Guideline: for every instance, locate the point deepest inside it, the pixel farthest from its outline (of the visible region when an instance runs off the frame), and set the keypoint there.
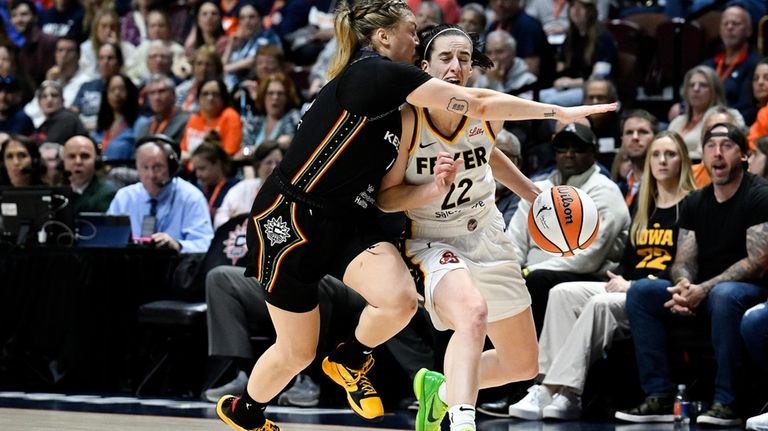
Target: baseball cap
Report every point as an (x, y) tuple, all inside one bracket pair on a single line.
[(575, 135), (732, 132)]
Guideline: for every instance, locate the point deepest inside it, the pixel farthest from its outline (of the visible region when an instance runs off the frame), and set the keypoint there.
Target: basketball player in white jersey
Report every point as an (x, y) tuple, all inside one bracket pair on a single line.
[(456, 246)]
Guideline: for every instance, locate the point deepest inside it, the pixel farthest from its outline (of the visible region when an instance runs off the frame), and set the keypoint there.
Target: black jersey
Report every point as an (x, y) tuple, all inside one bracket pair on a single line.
[(656, 247), (349, 137)]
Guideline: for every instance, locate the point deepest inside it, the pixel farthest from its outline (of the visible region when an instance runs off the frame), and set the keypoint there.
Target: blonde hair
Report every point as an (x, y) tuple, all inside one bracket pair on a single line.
[(355, 25), (649, 187), (717, 91)]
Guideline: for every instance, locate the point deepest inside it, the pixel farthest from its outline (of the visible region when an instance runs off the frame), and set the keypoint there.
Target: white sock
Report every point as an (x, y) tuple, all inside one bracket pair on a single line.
[(462, 417), (441, 393)]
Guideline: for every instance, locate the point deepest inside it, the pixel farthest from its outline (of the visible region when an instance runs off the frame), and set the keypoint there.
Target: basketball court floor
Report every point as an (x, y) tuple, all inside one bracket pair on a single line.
[(58, 412)]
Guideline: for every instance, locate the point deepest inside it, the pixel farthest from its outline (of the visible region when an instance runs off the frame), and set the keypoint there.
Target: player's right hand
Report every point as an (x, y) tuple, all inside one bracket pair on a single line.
[(445, 171)]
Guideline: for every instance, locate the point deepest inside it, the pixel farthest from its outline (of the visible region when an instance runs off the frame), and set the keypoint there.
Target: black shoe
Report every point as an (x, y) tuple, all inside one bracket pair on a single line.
[(498, 408), (653, 409), (719, 415)]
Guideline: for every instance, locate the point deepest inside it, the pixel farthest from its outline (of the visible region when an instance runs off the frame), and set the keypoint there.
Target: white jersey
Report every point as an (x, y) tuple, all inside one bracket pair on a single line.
[(472, 194)]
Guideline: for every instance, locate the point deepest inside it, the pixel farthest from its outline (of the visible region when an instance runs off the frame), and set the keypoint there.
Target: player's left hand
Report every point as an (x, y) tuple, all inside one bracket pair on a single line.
[(573, 113)]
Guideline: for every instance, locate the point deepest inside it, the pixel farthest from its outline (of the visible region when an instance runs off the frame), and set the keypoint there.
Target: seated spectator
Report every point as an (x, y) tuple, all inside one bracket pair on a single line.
[(240, 197), (63, 18), (718, 273), (133, 25), (532, 44), (277, 103), (88, 99), (714, 115), (165, 210), (13, 120), (60, 124), (206, 64), (473, 19), (35, 54), (9, 67), (428, 14), (758, 159), (269, 60), (637, 130), (117, 115), (22, 165), (509, 74), (158, 29), (207, 30), (159, 62), (66, 71), (240, 53), (754, 332), (553, 14), (82, 160), (588, 50), (583, 318), (105, 28), (167, 119), (215, 113), (701, 89), (735, 65), (211, 165), (51, 155), (760, 93)]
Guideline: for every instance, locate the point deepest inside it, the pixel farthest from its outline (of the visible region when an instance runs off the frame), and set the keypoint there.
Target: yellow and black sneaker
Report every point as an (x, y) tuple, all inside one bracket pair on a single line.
[(226, 406), (361, 395)]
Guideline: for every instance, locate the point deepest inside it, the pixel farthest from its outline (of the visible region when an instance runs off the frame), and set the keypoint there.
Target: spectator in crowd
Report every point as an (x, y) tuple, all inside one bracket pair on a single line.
[(240, 53), (241, 195), (715, 114), (269, 60), (473, 19), (92, 7), (66, 71), (207, 30), (735, 65), (588, 50), (637, 130), (583, 318), (278, 103), (12, 116), (104, 30), (82, 161), (206, 64), (759, 128), (167, 118), (22, 165), (133, 25), (117, 116), (9, 67), (211, 165), (88, 99), (63, 18), (428, 14), (216, 113), (230, 14), (35, 54), (754, 332), (60, 124), (164, 209), (607, 126), (758, 159), (51, 155), (575, 147), (718, 273), (532, 44), (506, 200), (509, 74), (701, 89), (158, 29)]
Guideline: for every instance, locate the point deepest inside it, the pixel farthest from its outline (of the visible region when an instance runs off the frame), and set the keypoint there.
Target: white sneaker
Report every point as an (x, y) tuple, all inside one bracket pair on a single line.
[(758, 423), (529, 408), (565, 405)]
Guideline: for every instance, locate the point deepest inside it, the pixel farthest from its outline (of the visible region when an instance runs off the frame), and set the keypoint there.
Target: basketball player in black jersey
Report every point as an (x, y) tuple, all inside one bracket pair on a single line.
[(315, 213)]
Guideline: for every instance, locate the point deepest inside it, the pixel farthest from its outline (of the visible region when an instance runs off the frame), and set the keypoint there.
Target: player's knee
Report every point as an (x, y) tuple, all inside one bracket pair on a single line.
[(474, 319)]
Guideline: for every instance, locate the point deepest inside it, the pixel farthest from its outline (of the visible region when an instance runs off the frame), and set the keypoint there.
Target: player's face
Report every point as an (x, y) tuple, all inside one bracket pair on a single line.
[(665, 160), (403, 40), (450, 59), (723, 158)]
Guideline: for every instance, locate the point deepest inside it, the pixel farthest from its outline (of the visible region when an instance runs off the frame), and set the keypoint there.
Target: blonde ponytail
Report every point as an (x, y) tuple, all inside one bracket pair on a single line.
[(346, 41)]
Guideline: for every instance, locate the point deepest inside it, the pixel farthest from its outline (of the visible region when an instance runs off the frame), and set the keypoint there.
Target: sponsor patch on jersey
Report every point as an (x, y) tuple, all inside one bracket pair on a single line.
[(448, 257)]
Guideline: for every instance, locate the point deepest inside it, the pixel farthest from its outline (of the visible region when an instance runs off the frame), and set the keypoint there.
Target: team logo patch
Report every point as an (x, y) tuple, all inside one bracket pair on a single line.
[(448, 257), (277, 230), (235, 246)]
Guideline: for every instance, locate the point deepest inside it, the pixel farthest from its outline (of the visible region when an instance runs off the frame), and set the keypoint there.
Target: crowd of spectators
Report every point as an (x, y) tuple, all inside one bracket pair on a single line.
[(176, 112)]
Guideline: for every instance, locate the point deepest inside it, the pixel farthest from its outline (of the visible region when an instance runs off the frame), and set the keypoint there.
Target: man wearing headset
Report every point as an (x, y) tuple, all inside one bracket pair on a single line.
[(165, 211), (82, 158)]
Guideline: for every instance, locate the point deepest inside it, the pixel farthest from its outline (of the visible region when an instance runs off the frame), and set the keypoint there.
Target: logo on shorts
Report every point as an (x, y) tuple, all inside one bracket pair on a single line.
[(448, 257), (277, 231)]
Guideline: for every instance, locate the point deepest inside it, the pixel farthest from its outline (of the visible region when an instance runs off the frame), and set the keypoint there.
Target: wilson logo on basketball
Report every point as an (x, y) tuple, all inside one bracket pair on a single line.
[(566, 200), (448, 257), (563, 221)]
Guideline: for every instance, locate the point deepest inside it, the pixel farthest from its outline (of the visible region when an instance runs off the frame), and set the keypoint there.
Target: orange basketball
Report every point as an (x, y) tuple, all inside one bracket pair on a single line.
[(563, 221)]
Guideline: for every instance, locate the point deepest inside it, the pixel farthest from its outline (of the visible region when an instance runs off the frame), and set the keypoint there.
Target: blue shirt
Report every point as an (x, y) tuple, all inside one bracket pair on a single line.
[(182, 213)]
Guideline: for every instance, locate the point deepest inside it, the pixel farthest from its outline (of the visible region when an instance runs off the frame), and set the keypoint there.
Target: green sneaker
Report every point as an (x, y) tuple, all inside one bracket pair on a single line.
[(431, 408)]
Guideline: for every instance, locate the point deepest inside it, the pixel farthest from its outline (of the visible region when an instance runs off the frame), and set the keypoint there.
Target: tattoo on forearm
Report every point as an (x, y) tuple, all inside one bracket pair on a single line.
[(550, 114), (685, 264), (459, 106)]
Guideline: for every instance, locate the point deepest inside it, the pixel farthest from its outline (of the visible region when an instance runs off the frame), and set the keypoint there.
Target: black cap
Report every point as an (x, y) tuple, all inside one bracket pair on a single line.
[(733, 133), (575, 135)]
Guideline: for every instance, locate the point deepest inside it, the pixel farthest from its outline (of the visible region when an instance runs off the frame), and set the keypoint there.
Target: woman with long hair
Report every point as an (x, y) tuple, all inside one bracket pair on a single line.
[(117, 115), (207, 30), (759, 128), (211, 165), (105, 28), (277, 103), (206, 64), (315, 214), (22, 165)]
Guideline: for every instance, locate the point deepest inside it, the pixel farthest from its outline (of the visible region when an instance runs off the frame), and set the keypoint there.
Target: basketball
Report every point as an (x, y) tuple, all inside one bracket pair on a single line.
[(563, 221)]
